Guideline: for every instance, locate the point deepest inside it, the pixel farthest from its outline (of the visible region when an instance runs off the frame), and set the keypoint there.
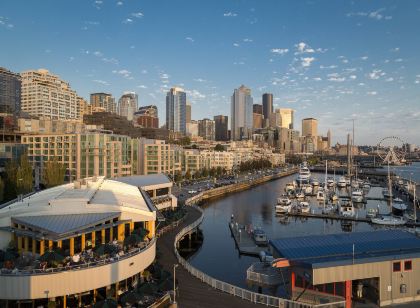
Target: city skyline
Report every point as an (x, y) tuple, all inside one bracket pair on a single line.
[(117, 46)]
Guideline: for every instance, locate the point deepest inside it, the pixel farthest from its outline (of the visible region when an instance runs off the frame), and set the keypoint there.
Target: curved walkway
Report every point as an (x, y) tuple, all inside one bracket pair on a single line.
[(191, 291)]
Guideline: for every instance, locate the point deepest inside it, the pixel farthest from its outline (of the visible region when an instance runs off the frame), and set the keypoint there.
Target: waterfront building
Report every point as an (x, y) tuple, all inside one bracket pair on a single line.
[(46, 95), (267, 103), (309, 127), (103, 100), (206, 129), (84, 155), (241, 113), (88, 222), (155, 156), (385, 263), (216, 159), (221, 128), (146, 116), (10, 92), (192, 128), (128, 104), (176, 118), (287, 117), (191, 160), (188, 112)]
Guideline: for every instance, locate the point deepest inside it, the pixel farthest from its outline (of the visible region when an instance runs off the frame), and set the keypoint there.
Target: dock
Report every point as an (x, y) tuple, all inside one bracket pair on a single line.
[(243, 240), (342, 218)]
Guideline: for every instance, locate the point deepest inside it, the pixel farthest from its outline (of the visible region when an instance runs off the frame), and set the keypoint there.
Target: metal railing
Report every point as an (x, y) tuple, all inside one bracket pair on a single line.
[(234, 290), (81, 266)]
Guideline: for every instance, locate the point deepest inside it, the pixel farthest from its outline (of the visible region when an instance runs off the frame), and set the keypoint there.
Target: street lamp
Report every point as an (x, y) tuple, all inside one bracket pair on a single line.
[(174, 302)]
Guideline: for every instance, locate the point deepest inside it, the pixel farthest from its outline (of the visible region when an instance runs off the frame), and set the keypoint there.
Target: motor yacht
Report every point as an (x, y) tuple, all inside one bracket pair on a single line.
[(389, 221), (357, 196), (304, 175), (346, 209), (342, 182)]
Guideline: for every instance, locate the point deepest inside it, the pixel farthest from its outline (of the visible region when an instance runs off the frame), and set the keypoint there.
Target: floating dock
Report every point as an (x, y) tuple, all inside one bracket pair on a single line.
[(243, 239)]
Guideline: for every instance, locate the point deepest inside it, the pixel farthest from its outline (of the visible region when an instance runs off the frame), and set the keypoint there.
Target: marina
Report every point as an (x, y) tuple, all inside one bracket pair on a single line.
[(244, 239)]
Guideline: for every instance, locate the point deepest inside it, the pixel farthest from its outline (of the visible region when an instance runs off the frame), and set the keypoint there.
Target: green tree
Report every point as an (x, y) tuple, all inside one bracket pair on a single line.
[(53, 173), (205, 172), (10, 180), (24, 182), (219, 148), (178, 176), (188, 175)]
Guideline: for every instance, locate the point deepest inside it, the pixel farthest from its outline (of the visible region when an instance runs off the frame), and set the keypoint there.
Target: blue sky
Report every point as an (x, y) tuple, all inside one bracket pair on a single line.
[(332, 60)]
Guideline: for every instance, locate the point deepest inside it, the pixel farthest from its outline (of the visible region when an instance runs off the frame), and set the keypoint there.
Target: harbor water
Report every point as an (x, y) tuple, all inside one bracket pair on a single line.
[(218, 255)]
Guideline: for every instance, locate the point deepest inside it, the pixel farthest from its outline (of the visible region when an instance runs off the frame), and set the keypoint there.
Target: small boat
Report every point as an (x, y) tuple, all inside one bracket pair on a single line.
[(300, 195), (370, 213), (284, 205), (307, 189), (315, 182), (357, 196), (320, 195), (259, 237), (342, 182), (304, 207), (304, 175), (346, 209), (284, 200), (330, 183), (366, 186), (399, 208), (290, 187), (389, 221)]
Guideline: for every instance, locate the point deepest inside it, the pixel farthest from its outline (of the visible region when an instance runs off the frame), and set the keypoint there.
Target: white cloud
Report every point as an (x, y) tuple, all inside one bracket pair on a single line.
[(376, 74), (195, 94), (230, 14), (4, 22), (125, 73), (200, 80), (144, 71), (389, 79), (372, 93), (137, 15), (142, 86), (376, 15), (396, 49), (127, 21), (190, 39), (119, 3), (102, 82), (236, 44), (398, 60), (364, 58), (317, 78), (98, 54), (307, 61), (353, 77), (110, 60), (280, 51), (328, 67), (247, 40)]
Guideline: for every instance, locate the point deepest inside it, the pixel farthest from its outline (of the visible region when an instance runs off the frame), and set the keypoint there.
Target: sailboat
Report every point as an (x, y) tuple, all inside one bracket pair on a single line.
[(389, 220), (327, 208)]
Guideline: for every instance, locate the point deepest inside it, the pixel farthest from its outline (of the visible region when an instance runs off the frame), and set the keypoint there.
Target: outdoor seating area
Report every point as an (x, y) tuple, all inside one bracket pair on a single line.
[(53, 260)]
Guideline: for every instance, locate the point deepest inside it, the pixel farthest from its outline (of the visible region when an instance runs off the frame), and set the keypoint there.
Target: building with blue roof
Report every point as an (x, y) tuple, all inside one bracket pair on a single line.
[(386, 263)]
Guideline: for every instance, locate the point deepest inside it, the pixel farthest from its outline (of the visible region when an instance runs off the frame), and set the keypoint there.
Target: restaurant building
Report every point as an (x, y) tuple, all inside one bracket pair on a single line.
[(101, 233)]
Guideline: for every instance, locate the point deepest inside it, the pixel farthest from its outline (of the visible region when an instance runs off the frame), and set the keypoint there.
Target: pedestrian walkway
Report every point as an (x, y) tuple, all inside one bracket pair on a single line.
[(191, 291)]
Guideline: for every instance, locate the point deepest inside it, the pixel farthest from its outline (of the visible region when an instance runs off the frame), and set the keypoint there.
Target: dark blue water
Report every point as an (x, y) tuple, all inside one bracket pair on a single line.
[(410, 171)]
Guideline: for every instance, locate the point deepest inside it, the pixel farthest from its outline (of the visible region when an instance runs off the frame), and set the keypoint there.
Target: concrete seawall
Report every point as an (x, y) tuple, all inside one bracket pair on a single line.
[(221, 191)]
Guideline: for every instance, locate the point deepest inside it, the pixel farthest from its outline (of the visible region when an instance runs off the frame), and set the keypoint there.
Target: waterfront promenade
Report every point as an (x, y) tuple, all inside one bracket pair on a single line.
[(191, 291)]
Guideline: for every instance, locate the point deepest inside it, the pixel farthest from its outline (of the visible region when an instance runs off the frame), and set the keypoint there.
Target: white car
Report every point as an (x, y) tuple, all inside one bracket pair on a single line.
[(192, 192)]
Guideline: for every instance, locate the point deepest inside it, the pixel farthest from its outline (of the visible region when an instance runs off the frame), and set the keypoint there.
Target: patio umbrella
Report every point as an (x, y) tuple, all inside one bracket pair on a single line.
[(51, 256), (106, 303), (147, 288), (132, 239), (131, 297)]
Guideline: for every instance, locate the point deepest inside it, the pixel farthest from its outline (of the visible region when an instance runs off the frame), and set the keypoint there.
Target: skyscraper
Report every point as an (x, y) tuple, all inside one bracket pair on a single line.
[(309, 127), (10, 91), (176, 110), (287, 117), (221, 128), (267, 103), (257, 108), (241, 113), (206, 129), (46, 95), (103, 100), (188, 112), (128, 104)]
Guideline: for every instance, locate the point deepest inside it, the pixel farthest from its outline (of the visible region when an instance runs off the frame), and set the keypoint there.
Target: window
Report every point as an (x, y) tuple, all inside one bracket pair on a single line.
[(396, 267), (407, 265)]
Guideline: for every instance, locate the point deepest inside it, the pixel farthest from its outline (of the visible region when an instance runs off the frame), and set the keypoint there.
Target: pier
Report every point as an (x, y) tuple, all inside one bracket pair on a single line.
[(243, 239)]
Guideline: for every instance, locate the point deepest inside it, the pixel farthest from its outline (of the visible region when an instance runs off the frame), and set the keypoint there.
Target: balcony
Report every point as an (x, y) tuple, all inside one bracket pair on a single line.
[(32, 283)]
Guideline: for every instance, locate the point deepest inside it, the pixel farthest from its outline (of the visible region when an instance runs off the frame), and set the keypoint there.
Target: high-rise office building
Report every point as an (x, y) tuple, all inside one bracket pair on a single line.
[(287, 117), (188, 112), (267, 103), (206, 129), (275, 119), (146, 116), (241, 113), (10, 92), (257, 108), (46, 95), (309, 127), (128, 104), (221, 128), (329, 139), (176, 110), (257, 120), (103, 100)]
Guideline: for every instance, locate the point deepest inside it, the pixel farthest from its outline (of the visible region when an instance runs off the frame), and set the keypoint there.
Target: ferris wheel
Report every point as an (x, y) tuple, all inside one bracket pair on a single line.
[(392, 150)]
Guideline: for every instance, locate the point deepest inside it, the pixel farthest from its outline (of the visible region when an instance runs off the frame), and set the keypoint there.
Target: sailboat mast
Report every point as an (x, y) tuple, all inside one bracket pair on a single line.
[(389, 187), (414, 203)]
